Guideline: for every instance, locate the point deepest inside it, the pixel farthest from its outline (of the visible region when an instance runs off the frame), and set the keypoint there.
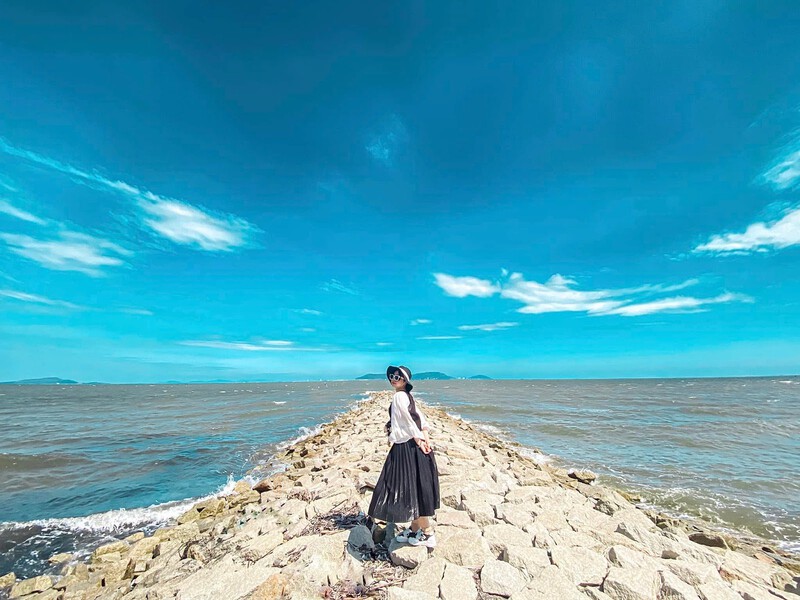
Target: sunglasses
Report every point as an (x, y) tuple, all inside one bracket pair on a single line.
[(396, 377)]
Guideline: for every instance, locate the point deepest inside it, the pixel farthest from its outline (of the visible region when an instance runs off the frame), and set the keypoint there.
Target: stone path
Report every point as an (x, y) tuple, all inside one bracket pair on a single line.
[(507, 528)]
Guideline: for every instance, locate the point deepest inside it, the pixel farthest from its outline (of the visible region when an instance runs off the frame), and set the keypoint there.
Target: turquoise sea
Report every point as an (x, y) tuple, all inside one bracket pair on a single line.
[(80, 465)]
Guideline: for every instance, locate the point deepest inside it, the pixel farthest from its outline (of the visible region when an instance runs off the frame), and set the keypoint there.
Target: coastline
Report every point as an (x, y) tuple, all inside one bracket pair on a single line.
[(508, 527)]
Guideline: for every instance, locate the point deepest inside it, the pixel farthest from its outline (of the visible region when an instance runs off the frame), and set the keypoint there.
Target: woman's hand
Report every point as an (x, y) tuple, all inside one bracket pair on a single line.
[(424, 445)]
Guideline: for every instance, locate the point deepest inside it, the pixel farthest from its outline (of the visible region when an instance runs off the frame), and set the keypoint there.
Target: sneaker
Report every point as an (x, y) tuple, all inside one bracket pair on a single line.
[(420, 538), (403, 536)]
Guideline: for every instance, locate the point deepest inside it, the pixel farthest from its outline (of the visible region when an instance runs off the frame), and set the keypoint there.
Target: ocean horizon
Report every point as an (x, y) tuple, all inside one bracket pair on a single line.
[(84, 464)]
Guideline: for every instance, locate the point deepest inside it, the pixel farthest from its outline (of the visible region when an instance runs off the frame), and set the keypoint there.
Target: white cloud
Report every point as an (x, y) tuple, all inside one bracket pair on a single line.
[(421, 322), (334, 285), (488, 327), (7, 208), (70, 252), (308, 329), (440, 337), (264, 346), (383, 343), (308, 311), (785, 171), (136, 311), (175, 220), (559, 294), (461, 287), (185, 224), (6, 184), (758, 237), (682, 304), (33, 298)]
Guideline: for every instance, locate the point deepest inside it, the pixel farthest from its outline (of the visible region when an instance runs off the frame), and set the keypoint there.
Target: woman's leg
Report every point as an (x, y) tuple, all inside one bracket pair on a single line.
[(421, 523)]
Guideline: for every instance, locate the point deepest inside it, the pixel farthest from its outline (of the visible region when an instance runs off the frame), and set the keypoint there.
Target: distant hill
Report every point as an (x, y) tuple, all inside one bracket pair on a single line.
[(41, 381), (480, 377)]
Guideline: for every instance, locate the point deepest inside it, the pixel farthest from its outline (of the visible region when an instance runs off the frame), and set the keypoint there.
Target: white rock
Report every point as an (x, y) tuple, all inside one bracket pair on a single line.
[(691, 572), (455, 518), (398, 593), (550, 584), (457, 583), (583, 566), (673, 588), (427, 578), (467, 549), (513, 514), (631, 584), (500, 578), (503, 535), (531, 561), (716, 590)]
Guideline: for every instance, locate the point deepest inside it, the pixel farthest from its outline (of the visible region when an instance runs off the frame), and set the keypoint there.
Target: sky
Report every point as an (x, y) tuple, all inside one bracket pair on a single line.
[(281, 191)]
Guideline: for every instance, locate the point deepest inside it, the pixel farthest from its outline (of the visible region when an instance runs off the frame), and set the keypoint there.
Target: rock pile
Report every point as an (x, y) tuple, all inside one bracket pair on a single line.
[(507, 528)]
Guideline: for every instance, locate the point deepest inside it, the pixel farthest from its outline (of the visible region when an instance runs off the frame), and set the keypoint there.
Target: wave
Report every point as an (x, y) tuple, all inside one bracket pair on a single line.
[(123, 518)]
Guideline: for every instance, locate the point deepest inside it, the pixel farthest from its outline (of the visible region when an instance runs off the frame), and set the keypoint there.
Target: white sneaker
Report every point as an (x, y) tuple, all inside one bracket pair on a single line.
[(403, 536), (420, 538)]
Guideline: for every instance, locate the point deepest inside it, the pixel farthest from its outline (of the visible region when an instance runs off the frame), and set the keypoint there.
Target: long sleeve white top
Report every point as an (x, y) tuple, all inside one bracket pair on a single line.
[(403, 426)]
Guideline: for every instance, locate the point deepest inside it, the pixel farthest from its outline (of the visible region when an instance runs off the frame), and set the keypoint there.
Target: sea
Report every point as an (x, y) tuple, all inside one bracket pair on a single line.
[(82, 465)]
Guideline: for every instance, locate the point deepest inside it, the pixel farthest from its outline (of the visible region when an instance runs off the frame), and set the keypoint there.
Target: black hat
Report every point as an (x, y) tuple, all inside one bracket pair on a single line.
[(404, 371)]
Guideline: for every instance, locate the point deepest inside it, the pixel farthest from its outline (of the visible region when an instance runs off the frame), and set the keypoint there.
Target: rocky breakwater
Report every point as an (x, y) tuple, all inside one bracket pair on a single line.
[(508, 528)]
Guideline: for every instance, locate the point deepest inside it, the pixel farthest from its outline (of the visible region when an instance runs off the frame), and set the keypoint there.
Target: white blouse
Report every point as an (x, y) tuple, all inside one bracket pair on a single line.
[(403, 426)]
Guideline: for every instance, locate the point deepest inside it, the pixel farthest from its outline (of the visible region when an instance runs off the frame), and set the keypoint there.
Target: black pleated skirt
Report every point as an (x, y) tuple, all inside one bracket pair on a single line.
[(408, 486)]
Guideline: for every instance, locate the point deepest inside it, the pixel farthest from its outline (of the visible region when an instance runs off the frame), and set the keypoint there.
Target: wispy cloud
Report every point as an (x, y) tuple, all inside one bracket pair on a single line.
[(383, 343), (308, 311), (7, 208), (35, 299), (188, 225), (488, 327), (307, 329), (334, 285), (421, 322), (136, 311), (384, 145), (758, 237), (559, 294), (461, 287), (71, 251), (682, 304), (264, 346), (6, 184), (440, 337), (177, 221), (784, 173)]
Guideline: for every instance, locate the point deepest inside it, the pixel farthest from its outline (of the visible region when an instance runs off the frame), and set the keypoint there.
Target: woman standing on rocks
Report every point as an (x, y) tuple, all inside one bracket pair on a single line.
[(408, 486)]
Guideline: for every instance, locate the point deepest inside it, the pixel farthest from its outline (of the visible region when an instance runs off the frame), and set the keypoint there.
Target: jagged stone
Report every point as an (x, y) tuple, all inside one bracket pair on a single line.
[(631, 584), (31, 586), (499, 577), (427, 578), (583, 566), (457, 583)]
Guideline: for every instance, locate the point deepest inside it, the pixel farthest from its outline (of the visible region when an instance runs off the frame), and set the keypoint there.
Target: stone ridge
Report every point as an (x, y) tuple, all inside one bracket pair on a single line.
[(507, 528)]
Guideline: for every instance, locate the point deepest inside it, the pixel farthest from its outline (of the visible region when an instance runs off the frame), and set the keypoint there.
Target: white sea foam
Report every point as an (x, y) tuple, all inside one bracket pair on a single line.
[(535, 456), (276, 402), (123, 518), (305, 432), (490, 429)]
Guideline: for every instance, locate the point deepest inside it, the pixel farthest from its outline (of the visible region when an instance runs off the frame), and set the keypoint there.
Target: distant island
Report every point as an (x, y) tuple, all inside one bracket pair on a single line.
[(422, 376), (41, 381)]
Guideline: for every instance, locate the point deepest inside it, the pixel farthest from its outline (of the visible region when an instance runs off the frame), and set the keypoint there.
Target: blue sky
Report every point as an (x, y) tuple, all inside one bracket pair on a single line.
[(266, 191)]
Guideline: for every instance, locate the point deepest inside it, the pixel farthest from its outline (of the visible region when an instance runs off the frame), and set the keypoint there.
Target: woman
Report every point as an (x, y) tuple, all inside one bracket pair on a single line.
[(408, 486)]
